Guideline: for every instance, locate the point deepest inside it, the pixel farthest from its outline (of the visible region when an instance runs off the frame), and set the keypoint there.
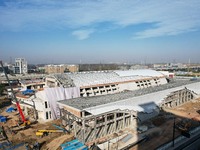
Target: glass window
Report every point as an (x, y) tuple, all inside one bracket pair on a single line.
[(47, 115), (46, 105)]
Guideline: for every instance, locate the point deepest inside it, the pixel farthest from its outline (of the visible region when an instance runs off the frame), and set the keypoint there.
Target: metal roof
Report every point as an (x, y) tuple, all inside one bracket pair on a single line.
[(139, 72), (83, 79), (131, 99), (134, 103)]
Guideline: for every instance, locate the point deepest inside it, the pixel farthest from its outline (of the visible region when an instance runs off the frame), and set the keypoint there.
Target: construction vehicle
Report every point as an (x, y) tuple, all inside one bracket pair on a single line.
[(23, 122), (42, 133), (183, 125)]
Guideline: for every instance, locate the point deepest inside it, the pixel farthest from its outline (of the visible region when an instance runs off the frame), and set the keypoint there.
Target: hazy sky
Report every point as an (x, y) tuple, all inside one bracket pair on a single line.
[(94, 31)]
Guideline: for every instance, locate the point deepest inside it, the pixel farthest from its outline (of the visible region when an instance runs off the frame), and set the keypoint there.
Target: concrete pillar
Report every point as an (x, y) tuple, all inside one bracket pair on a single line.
[(191, 95), (131, 121), (75, 130), (185, 96), (188, 94), (95, 128), (106, 126), (92, 91), (177, 99), (123, 120), (26, 110), (168, 105), (83, 126), (115, 121), (182, 96)]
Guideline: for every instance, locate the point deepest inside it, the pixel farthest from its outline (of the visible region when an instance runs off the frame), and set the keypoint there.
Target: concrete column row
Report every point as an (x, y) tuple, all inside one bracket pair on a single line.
[(180, 97), (102, 129)]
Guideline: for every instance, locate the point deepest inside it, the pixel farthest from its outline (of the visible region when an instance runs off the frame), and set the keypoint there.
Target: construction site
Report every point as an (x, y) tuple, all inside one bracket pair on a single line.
[(154, 132), (108, 110)]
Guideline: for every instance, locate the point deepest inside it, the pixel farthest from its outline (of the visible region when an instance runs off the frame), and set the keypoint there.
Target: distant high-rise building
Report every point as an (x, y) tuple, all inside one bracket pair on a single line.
[(21, 66)]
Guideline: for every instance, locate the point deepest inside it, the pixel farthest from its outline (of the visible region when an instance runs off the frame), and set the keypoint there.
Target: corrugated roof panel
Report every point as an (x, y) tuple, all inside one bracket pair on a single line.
[(141, 72), (94, 78)]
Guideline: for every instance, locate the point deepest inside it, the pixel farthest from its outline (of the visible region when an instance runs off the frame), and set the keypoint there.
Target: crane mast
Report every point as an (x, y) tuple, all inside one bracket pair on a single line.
[(25, 122)]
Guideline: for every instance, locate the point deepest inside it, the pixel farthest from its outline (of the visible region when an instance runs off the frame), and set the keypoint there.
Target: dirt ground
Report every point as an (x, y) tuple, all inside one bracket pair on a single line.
[(187, 110), (160, 134), (50, 142), (55, 144), (4, 102)]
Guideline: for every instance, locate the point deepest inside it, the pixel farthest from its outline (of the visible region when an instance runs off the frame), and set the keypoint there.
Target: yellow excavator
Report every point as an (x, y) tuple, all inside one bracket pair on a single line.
[(42, 133)]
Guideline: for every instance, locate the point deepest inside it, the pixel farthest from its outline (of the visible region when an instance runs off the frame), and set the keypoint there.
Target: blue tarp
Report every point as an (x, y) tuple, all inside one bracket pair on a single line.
[(74, 145), (28, 91), (2, 119), (10, 109)]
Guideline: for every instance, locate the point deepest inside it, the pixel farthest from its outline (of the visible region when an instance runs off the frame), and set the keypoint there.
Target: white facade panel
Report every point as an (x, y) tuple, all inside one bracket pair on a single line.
[(128, 86), (163, 81)]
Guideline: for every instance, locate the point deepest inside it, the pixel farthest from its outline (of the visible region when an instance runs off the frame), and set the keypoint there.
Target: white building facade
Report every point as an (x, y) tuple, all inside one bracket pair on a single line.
[(21, 66)]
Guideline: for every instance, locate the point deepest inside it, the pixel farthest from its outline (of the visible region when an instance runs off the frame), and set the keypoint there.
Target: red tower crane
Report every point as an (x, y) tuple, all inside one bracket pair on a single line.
[(23, 119)]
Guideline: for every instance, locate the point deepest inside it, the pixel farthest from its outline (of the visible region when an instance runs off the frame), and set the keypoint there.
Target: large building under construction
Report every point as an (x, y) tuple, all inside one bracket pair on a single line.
[(94, 118), (96, 105), (63, 86), (108, 82)]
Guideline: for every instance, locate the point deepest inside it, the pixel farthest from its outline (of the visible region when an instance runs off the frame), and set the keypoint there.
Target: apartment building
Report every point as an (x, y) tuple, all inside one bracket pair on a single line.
[(21, 66)]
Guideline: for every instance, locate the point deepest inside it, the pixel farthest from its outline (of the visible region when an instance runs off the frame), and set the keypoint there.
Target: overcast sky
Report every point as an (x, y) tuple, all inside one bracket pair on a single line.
[(100, 31)]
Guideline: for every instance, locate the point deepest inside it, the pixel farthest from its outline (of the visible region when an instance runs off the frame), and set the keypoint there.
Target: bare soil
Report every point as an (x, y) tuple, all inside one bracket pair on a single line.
[(51, 141)]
